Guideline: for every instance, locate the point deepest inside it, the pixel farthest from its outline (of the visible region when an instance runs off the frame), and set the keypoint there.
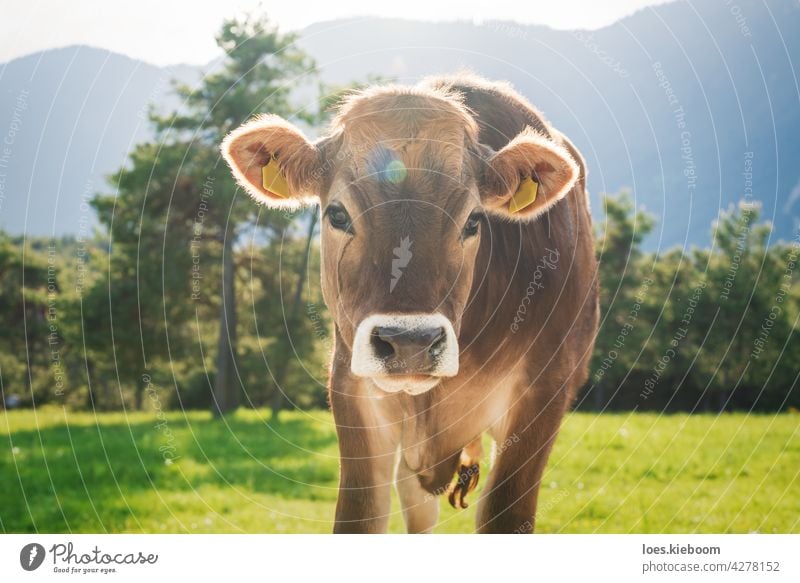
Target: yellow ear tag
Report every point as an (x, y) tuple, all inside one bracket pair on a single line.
[(272, 179), (525, 195)]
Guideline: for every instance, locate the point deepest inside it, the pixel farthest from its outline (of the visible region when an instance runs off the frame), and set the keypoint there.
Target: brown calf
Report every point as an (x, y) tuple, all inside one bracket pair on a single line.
[(458, 265)]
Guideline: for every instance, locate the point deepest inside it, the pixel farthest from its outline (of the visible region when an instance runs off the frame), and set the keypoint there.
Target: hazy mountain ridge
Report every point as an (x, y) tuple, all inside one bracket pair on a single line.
[(669, 102), (82, 109), (608, 90)]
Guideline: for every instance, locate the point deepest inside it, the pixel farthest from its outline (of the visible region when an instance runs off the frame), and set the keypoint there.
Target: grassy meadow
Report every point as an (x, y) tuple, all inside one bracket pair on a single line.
[(62, 471)]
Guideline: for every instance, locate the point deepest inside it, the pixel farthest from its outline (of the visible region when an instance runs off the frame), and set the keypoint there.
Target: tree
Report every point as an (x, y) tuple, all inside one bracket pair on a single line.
[(178, 211), (741, 318), (621, 268), (24, 309)]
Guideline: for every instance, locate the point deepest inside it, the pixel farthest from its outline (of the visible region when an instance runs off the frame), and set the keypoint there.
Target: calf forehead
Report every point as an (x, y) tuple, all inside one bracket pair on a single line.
[(395, 155), (426, 130)]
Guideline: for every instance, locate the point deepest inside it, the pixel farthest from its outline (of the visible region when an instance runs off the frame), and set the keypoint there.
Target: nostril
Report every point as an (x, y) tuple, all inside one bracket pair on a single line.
[(414, 347), (438, 344), (382, 348)]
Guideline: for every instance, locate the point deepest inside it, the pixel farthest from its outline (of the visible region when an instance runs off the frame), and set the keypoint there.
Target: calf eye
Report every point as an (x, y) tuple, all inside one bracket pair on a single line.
[(338, 218), (472, 226)]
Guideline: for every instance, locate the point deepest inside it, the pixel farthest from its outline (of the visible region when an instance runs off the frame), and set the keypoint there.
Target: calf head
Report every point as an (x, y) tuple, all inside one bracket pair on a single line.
[(405, 187)]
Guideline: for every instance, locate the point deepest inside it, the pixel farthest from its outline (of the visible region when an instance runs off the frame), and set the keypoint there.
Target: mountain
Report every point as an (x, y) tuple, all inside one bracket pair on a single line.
[(68, 118), (676, 103), (690, 105)]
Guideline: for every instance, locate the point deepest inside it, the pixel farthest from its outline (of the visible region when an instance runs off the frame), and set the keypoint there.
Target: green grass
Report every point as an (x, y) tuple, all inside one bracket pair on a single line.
[(63, 471)]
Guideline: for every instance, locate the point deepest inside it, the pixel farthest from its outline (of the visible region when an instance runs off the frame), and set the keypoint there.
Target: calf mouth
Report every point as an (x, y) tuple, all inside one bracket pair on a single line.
[(411, 384)]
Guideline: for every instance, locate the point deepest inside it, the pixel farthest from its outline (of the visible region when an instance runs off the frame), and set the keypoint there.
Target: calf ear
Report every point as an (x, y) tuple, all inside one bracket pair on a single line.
[(273, 161), (528, 176)]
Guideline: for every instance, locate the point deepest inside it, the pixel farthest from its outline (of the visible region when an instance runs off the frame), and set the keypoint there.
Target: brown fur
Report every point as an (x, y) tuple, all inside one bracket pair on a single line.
[(522, 296)]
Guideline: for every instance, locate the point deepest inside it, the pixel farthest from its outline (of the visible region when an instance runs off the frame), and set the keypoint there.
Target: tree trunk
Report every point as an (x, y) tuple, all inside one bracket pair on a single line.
[(226, 386), (278, 400), (599, 396), (723, 399), (91, 404), (138, 396)]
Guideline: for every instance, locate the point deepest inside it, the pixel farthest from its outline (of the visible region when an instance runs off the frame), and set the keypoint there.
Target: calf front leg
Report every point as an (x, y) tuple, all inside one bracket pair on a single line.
[(420, 507), (508, 503), (364, 498), (367, 446)]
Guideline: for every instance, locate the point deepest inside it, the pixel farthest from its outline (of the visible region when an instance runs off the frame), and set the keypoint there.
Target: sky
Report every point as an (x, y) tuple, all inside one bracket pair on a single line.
[(165, 32)]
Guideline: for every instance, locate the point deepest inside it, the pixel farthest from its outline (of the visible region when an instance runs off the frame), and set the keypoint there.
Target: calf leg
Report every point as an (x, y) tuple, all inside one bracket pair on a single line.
[(420, 507), (365, 484), (508, 503), (367, 447)]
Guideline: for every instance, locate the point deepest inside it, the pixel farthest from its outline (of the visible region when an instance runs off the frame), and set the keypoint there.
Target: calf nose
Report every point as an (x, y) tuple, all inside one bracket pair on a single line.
[(408, 350)]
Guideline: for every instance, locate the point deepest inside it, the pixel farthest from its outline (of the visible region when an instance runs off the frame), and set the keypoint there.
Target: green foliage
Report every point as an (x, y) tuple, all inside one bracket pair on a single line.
[(262, 68), (39, 280), (710, 329)]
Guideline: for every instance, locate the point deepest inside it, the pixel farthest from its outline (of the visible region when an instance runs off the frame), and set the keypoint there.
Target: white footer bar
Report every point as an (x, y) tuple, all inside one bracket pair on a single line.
[(397, 558)]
